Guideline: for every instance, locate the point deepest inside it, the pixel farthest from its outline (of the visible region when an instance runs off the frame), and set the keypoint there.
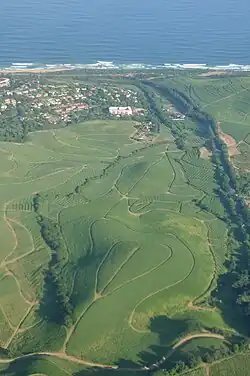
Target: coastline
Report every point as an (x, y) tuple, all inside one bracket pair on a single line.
[(109, 65), (34, 70)]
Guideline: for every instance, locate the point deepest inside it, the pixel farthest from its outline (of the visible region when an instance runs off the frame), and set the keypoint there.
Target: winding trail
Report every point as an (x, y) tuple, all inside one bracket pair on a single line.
[(64, 356), (32, 247), (140, 275), (130, 255), (7, 221), (198, 335), (17, 329), (131, 317), (5, 262)]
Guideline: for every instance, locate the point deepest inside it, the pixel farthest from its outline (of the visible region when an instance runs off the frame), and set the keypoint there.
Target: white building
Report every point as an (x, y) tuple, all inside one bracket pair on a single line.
[(121, 111), (4, 82)]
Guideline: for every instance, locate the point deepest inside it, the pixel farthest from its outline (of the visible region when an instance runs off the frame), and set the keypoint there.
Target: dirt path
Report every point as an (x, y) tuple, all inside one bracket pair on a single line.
[(207, 369), (19, 287), (198, 335), (7, 221), (100, 266), (17, 329), (130, 321), (32, 248), (4, 263), (12, 261), (130, 255), (138, 276), (59, 355), (62, 142), (64, 356)]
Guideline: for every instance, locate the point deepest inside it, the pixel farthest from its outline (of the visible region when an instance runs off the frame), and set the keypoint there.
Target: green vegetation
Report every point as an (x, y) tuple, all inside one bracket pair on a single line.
[(236, 366), (122, 240), (29, 103)]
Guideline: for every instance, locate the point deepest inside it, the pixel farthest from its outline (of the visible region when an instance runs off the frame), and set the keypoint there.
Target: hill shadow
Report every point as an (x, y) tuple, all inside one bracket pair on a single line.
[(106, 372), (224, 298), (168, 331), (20, 367)]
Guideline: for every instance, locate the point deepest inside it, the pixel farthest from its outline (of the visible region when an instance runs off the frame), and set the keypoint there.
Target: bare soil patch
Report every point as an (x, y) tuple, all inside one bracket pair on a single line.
[(205, 153), (230, 142), (193, 307), (205, 334)]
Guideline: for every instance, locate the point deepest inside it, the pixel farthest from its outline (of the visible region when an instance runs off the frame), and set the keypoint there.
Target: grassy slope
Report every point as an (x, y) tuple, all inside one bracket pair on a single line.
[(236, 366), (119, 287), (227, 99)]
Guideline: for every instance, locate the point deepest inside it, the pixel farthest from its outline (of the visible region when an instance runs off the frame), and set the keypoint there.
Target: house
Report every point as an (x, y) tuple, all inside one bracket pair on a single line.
[(4, 82), (138, 111), (121, 111)]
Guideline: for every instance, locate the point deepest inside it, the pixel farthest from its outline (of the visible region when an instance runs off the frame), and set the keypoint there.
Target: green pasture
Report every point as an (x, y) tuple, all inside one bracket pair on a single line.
[(242, 160), (5, 328), (142, 276), (198, 372), (226, 98), (231, 106), (236, 366), (239, 131), (134, 243)]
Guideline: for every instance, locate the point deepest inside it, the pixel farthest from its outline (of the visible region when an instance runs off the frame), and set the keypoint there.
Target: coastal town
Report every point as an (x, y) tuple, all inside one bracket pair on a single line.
[(39, 103)]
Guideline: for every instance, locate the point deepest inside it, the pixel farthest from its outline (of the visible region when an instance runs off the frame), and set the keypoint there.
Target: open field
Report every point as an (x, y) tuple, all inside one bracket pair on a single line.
[(227, 99), (199, 372), (109, 196), (236, 366), (111, 246)]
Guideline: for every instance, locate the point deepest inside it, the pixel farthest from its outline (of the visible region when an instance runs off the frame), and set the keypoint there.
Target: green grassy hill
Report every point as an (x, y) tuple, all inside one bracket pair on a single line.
[(108, 208), (111, 247)]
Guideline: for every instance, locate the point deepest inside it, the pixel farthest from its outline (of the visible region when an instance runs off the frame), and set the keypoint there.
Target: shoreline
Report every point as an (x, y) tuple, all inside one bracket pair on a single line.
[(109, 65), (33, 70)]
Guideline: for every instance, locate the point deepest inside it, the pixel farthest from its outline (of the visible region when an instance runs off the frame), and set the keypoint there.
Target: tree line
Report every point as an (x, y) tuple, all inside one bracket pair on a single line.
[(55, 305), (208, 357)]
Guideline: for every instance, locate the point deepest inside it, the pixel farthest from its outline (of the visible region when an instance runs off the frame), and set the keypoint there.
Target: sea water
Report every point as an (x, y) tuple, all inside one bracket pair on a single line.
[(131, 31)]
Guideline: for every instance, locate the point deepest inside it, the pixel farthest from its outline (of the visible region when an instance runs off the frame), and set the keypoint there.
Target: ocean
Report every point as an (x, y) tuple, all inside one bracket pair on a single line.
[(130, 31)]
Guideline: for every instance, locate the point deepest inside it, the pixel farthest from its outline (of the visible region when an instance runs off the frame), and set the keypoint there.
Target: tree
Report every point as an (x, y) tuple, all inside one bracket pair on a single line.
[(20, 111)]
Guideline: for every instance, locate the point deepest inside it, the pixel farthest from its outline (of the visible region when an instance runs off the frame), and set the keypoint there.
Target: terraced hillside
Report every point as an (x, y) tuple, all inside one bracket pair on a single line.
[(119, 252), (227, 99), (103, 244)]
